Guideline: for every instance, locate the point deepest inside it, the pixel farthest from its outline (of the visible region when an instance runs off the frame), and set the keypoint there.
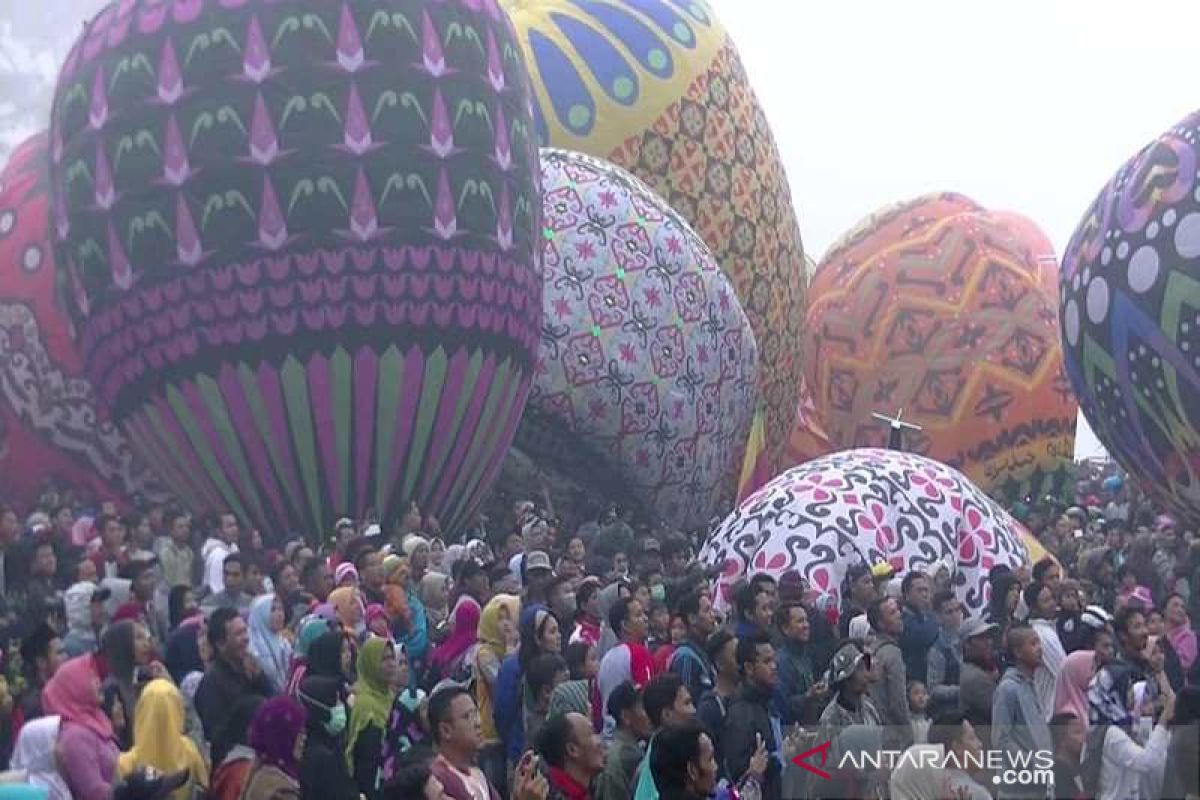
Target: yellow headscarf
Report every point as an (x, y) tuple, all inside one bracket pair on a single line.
[(491, 635), (373, 698), (344, 600), (159, 740)]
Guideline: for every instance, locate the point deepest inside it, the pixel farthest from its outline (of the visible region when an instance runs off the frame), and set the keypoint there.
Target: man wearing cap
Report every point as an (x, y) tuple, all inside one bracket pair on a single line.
[(978, 678), (86, 617), (536, 575), (850, 710)]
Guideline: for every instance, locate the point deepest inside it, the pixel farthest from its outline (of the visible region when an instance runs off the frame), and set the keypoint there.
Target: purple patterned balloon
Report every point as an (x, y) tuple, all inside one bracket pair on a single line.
[(866, 506), (301, 241), (646, 380)]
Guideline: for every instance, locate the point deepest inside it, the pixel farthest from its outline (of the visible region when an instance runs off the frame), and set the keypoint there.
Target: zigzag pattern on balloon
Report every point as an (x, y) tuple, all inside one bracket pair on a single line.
[(301, 242), (1130, 306), (657, 87), (449, 293), (945, 310)]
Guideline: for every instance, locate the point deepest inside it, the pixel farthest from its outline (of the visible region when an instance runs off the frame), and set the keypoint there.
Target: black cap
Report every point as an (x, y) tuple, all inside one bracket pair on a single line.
[(148, 783)]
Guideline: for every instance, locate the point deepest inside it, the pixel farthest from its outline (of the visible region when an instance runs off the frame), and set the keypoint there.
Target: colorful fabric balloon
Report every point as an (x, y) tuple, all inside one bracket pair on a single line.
[(302, 242), (866, 506), (646, 378), (658, 87), (946, 311), (51, 432), (1130, 294)]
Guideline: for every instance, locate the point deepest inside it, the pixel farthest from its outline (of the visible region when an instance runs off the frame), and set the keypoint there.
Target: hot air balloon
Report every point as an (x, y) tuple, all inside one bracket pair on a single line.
[(945, 311), (302, 243), (50, 428), (658, 87), (1130, 306), (646, 378), (866, 506)]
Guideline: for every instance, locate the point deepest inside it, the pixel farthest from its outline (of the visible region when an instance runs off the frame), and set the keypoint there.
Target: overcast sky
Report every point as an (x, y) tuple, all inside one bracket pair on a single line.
[(1023, 105), (1028, 105)]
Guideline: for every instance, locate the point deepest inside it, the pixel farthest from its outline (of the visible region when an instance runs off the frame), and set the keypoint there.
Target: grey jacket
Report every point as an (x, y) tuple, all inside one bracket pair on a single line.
[(1019, 725), (889, 692)]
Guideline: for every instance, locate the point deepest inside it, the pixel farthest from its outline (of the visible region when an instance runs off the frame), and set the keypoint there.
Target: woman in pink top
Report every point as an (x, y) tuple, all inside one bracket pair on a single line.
[(87, 742), (1070, 693)]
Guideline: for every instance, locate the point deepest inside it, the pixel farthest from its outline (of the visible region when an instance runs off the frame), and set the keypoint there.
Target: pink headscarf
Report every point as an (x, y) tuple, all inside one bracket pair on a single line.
[(466, 634), (1070, 693), (274, 730), (1183, 639), (71, 694)]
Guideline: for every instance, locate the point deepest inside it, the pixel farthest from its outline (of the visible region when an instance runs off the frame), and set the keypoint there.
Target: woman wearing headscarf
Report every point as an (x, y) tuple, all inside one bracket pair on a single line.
[(229, 777), (312, 628), (330, 657), (267, 643), (1071, 690), (451, 658), (188, 654), (348, 605), (539, 635), (377, 620), (278, 739), (34, 755), (1179, 631), (435, 595), (88, 745), (405, 728), (407, 611), (495, 625), (323, 771), (159, 740), (369, 716), (1114, 765)]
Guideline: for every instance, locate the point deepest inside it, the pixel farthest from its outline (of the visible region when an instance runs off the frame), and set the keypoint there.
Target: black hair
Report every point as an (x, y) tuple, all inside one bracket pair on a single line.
[(941, 598), (465, 569), (576, 657), (413, 772), (1187, 706), (716, 642), (747, 597), (218, 625), (175, 604), (673, 545), (169, 518), (1042, 567), (783, 614), (585, 592), (688, 606), (309, 569), (659, 695), (907, 581), (747, 647), (103, 520), (619, 613), (622, 698), (553, 739), (875, 612), (439, 707), (234, 558), (675, 747), (360, 557), (36, 645), (542, 671), (1031, 595), (947, 728), (1124, 618)]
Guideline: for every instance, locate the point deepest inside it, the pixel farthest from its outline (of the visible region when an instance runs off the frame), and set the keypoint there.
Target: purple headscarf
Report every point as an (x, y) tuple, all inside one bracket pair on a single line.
[(274, 730)]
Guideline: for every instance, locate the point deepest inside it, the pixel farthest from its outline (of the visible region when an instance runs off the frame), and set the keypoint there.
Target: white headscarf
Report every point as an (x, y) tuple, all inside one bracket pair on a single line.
[(34, 753)]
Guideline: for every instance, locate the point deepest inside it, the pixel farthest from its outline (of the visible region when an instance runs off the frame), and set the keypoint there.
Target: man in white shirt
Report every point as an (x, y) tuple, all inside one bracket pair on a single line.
[(941, 769), (221, 542), (1043, 611)]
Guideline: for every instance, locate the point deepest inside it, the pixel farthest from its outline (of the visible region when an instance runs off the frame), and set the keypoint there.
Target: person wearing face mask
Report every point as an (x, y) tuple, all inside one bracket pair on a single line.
[(323, 772)]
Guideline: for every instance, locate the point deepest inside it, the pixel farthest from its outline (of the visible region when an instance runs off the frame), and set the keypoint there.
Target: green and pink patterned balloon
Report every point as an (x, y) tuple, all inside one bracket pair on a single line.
[(301, 241)]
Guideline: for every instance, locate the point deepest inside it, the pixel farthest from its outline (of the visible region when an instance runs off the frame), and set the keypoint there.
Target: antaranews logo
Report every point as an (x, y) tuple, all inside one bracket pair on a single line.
[(1035, 768)]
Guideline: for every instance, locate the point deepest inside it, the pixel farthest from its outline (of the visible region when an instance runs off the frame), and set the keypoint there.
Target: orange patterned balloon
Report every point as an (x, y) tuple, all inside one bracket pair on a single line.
[(947, 312)]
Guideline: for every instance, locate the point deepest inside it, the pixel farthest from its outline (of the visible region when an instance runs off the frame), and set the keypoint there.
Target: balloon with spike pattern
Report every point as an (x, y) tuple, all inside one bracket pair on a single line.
[(303, 243)]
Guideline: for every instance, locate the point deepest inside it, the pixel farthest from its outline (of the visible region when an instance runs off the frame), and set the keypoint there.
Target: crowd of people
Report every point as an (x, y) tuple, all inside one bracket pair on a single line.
[(160, 654)]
